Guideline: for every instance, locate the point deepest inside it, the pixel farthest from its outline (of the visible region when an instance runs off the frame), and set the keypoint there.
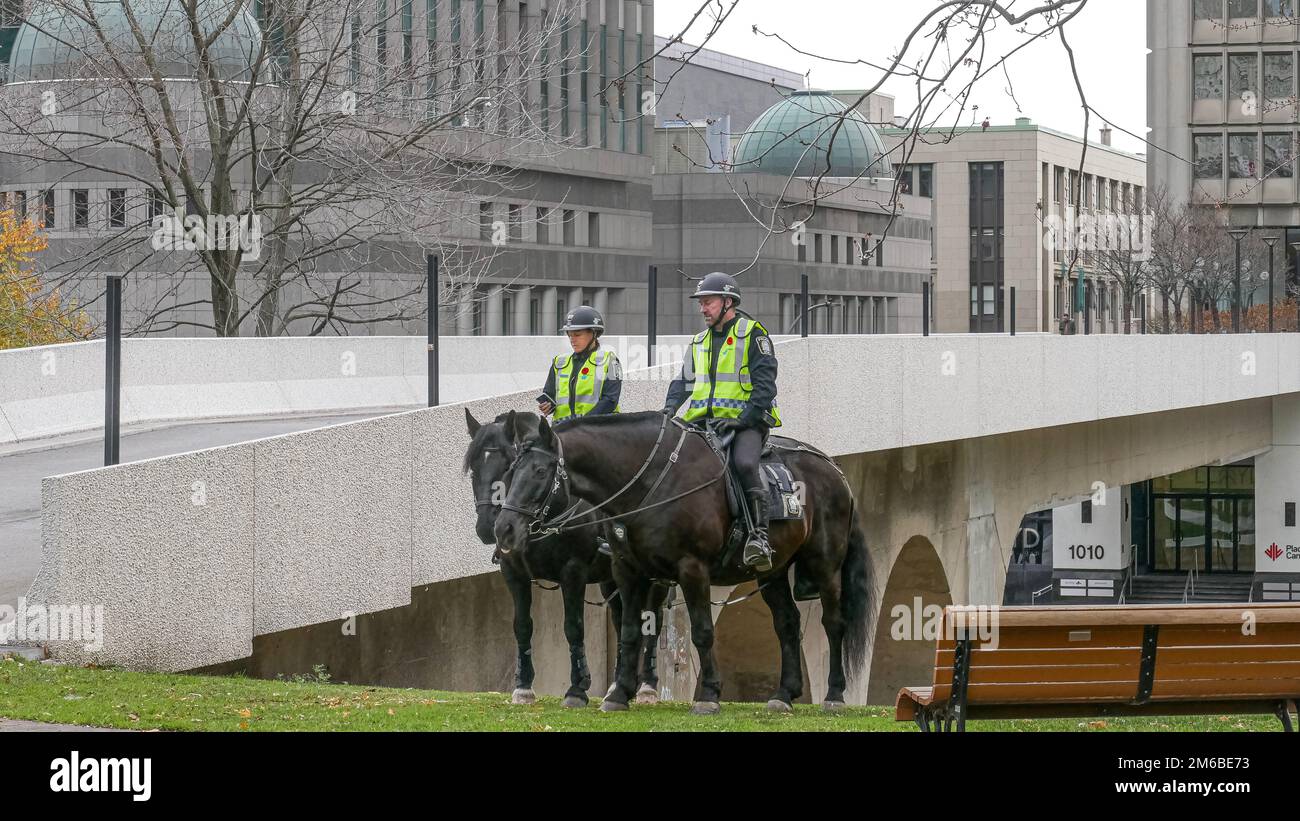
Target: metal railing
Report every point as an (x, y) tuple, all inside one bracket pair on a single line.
[(1190, 584), (1126, 587)]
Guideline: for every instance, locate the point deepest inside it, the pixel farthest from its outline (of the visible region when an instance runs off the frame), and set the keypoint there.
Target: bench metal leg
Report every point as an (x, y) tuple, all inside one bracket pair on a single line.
[(1283, 712)]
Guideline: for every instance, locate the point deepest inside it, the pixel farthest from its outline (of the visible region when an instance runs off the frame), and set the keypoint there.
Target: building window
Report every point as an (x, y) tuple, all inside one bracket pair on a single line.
[(1278, 79), (1243, 156), (925, 180), (20, 204), (1274, 9), (880, 254), (583, 91), (1209, 9), (1243, 76), (561, 310), (569, 220), (516, 222), (117, 208), (485, 221), (803, 251), (507, 314), (1208, 156), (543, 225), (835, 250), (47, 209), (1279, 154), (156, 204), (1060, 185), (1207, 76), (905, 179), (848, 251), (534, 316), (1243, 9), (593, 229), (80, 208), (817, 247)]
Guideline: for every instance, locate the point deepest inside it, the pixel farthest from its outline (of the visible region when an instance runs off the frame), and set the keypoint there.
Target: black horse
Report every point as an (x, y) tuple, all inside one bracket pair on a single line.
[(571, 560), (663, 483)]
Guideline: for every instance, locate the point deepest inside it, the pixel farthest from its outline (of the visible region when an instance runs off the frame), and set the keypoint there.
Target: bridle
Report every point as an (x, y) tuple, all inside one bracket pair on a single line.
[(478, 503), (540, 526)]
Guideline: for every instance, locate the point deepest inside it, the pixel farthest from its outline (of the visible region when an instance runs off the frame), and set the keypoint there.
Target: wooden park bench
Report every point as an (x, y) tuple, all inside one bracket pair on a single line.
[(1134, 660)]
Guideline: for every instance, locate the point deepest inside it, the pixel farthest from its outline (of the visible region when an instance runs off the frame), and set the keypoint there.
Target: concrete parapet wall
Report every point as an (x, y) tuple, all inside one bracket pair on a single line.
[(194, 555), (59, 389)]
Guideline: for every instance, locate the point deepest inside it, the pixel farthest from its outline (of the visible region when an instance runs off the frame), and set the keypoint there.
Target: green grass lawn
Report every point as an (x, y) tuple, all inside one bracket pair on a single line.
[(148, 701)]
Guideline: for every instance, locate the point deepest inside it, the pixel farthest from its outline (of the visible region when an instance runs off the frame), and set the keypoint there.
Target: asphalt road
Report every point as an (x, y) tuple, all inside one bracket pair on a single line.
[(21, 474)]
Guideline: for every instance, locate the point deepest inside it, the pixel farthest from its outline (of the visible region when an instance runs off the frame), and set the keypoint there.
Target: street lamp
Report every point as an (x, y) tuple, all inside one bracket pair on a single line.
[(1270, 242), (1237, 235)]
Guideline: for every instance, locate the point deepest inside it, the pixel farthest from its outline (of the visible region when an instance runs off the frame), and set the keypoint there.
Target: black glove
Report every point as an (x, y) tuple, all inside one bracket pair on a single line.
[(725, 425)]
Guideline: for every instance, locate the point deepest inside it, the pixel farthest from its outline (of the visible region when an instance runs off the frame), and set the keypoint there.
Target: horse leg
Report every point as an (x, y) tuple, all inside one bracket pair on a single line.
[(573, 584), (785, 619), (614, 603), (693, 576), (833, 623), (648, 692), (630, 589), (522, 592)]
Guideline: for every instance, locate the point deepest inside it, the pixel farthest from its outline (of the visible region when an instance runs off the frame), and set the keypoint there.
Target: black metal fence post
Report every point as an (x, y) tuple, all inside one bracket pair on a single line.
[(113, 371), (652, 313), (1012, 309), (433, 345), (925, 308)]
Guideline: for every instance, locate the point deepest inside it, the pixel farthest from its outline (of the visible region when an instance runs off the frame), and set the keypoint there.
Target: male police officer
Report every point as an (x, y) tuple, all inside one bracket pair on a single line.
[(587, 381), (729, 373)]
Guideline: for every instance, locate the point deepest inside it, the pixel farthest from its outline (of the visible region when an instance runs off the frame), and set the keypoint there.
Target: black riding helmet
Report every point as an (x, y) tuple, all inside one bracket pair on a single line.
[(584, 318), (718, 284)]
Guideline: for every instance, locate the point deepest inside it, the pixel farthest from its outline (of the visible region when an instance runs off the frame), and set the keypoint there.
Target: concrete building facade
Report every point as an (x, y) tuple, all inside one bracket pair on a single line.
[(992, 191)]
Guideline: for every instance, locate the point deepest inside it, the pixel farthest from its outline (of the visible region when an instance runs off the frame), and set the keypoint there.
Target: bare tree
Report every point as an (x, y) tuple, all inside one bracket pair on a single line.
[(306, 159)]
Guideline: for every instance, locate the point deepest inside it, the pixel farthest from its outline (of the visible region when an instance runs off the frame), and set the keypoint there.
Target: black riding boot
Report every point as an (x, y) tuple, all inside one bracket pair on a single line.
[(758, 553)]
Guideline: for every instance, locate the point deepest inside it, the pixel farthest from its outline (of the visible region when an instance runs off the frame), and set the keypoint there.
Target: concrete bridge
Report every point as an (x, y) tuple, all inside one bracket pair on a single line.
[(254, 556)]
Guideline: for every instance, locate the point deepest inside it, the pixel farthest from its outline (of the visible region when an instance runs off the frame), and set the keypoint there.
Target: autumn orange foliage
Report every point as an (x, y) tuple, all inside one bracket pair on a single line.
[(28, 316)]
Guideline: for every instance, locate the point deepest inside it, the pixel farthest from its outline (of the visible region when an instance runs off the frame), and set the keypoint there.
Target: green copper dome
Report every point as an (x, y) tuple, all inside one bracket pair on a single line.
[(54, 43), (793, 137)]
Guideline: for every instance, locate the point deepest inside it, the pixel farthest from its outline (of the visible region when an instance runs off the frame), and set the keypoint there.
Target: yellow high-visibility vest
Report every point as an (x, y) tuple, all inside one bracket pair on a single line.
[(586, 388), (728, 393)]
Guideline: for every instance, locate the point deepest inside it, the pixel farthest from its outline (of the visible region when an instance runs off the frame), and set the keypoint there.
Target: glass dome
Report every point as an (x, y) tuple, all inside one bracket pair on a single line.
[(55, 44), (793, 137)]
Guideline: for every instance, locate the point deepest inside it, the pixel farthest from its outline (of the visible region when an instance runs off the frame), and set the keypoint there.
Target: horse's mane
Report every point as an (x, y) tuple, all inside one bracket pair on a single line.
[(607, 420), (487, 431)]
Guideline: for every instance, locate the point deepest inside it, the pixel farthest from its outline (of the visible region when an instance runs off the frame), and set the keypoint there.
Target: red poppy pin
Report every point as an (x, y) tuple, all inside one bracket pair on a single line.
[(584, 371), (731, 341)]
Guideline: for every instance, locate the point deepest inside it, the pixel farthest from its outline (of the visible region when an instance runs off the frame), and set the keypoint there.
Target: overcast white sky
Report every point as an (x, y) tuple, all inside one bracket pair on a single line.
[(1108, 37)]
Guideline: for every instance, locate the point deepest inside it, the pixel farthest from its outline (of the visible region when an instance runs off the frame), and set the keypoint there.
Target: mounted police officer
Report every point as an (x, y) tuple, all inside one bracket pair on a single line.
[(729, 373), (585, 382)]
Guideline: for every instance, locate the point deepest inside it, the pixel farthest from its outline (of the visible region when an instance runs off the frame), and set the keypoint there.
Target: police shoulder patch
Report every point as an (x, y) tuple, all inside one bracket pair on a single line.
[(765, 345)]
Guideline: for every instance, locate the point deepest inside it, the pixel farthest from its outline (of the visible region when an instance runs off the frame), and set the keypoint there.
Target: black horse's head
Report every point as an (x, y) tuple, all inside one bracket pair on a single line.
[(491, 450), (534, 488)]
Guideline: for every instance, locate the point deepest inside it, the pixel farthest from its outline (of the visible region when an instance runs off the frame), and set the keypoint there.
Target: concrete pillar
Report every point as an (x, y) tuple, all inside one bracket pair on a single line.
[(523, 308), (549, 326), (574, 299), (465, 312), (601, 302), (1277, 485), (492, 314)]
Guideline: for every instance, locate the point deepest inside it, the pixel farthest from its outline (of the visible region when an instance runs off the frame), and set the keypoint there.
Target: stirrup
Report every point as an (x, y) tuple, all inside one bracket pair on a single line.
[(758, 555)]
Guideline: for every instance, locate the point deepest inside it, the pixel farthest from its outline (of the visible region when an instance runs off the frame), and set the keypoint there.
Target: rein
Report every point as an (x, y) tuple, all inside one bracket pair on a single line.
[(540, 527)]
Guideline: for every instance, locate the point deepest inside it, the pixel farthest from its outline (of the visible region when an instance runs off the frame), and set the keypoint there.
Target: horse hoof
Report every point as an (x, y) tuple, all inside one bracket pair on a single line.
[(522, 696), (706, 708), (647, 695), (608, 706), (776, 705), (832, 706), (574, 702)]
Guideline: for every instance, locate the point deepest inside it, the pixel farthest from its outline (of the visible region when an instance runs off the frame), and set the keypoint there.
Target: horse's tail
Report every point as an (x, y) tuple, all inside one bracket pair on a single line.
[(854, 591)]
